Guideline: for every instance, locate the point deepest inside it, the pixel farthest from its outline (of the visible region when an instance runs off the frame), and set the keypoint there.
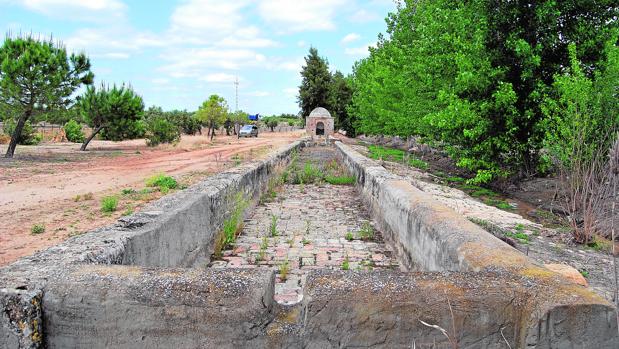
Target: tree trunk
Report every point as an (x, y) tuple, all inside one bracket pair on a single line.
[(212, 130), (94, 133), (16, 134)]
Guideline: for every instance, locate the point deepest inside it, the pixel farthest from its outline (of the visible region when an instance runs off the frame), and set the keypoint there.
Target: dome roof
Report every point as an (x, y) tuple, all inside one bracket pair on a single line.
[(320, 112)]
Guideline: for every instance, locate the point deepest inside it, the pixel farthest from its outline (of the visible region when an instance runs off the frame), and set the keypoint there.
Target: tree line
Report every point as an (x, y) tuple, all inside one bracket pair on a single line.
[(39, 79), (505, 87)]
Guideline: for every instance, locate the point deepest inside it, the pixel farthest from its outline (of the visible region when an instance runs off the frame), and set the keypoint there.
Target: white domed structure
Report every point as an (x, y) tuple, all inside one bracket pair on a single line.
[(319, 123)]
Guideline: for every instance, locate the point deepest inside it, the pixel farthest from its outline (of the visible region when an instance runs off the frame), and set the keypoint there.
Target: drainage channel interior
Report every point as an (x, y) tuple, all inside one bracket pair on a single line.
[(305, 226)]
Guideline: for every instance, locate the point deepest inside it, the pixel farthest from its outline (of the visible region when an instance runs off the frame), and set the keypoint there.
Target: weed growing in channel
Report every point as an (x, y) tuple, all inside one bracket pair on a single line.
[(128, 211), (346, 263), (340, 180), (349, 236), (273, 226), (109, 204), (284, 268), (233, 223), (37, 229), (263, 249), (163, 182), (367, 232)]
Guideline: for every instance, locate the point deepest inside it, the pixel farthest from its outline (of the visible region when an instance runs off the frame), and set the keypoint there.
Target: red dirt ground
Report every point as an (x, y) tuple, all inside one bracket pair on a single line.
[(41, 185)]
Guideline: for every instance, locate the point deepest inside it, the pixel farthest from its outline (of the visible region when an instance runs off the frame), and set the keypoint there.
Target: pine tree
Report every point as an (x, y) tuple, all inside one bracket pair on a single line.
[(315, 87), (38, 77)]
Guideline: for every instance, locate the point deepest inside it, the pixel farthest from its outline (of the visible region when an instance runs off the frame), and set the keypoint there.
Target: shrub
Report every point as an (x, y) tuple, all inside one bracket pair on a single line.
[(37, 229), (73, 131), (163, 182), (366, 232), (273, 226), (160, 130), (109, 204), (349, 236), (28, 135)]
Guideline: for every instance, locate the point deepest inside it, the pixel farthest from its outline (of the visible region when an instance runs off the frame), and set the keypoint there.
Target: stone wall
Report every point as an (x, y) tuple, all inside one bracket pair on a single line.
[(432, 237), (176, 231)]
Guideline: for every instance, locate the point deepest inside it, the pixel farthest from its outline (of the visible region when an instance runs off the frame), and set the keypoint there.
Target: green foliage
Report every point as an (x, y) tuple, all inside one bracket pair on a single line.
[(38, 76), (212, 112), (73, 131), (109, 204), (396, 155), (234, 221), (315, 84), (340, 96), (340, 180), (349, 236), (272, 124), (367, 232), (27, 137), (273, 226), (284, 269), (160, 127), (346, 263), (163, 182), (116, 112), (471, 77), (37, 229)]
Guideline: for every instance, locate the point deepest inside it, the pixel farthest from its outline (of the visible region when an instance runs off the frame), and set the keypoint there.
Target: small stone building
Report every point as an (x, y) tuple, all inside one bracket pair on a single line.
[(319, 123)]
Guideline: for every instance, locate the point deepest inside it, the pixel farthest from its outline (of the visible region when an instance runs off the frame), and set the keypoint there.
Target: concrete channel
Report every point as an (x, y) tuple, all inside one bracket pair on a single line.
[(428, 278)]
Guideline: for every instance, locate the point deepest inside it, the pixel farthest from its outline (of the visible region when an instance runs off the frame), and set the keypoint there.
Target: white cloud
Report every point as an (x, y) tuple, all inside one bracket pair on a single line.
[(90, 10), (300, 15), (352, 37), (219, 78), (301, 43), (363, 16), (115, 43), (192, 62), (362, 51)]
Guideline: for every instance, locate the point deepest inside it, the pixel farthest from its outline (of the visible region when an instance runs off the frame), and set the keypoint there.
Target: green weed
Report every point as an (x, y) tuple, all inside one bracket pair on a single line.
[(340, 180), (109, 204), (273, 226), (367, 232), (349, 236), (37, 229), (163, 182), (346, 263), (284, 268)]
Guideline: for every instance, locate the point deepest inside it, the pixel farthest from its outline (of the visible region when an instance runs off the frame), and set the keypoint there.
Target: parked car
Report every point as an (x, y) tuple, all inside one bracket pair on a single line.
[(248, 131)]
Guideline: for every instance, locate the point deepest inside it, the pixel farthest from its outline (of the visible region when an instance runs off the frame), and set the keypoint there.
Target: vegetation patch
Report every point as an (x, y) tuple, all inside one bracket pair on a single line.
[(109, 204), (37, 229), (163, 182), (396, 155)]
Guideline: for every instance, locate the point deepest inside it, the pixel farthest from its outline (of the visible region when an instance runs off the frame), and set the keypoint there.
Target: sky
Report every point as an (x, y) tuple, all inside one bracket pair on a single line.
[(177, 53)]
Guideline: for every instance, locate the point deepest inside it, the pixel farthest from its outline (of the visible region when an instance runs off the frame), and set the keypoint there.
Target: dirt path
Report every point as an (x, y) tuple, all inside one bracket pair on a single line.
[(42, 185)]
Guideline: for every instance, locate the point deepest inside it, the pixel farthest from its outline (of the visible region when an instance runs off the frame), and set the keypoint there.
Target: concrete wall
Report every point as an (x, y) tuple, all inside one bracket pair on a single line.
[(176, 231), (432, 237)]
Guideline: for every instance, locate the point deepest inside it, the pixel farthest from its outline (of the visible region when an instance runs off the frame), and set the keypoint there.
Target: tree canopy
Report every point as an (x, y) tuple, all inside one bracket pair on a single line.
[(471, 77), (38, 76), (315, 85), (118, 110), (213, 112)]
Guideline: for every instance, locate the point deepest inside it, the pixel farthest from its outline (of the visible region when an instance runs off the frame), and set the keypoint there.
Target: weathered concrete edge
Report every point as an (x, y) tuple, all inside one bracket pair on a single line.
[(433, 237), (169, 217)]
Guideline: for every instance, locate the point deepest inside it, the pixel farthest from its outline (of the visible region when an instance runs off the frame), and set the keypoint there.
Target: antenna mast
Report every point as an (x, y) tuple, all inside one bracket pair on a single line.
[(236, 86)]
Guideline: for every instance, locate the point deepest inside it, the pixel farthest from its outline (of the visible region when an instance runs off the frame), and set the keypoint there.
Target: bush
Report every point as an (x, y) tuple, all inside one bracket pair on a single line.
[(37, 229), (109, 204), (160, 130), (73, 131), (163, 182), (28, 135)]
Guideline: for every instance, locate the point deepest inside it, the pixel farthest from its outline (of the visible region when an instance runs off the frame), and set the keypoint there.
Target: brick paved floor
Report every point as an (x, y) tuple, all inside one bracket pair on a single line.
[(309, 231)]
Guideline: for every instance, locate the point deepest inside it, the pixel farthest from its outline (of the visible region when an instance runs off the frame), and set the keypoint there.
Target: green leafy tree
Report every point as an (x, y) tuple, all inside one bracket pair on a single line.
[(470, 77), (340, 97), (160, 127), (238, 118), (315, 85), (117, 110), (213, 112), (38, 76), (272, 124), (185, 120)]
